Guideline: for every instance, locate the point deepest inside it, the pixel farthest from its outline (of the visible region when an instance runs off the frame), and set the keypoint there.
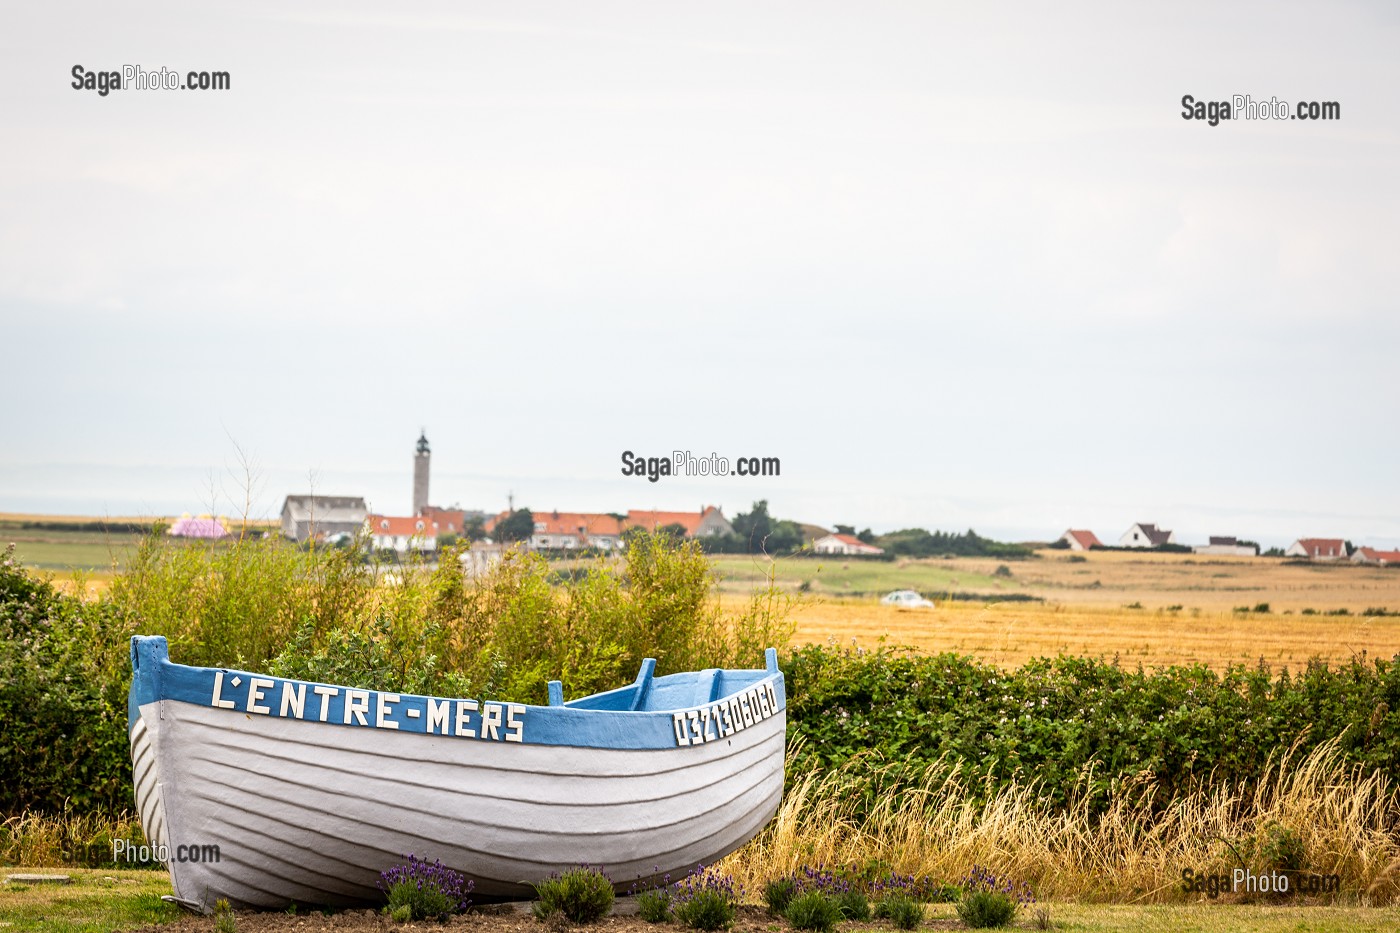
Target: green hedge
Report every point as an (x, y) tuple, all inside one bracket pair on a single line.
[(64, 677), (1052, 720)]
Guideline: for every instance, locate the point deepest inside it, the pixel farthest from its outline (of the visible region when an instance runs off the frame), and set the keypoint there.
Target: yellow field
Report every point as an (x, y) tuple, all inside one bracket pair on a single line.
[(1085, 610), (1011, 634)]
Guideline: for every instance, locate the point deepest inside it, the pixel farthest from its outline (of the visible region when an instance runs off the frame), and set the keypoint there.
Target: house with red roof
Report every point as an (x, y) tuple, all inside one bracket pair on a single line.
[(1080, 540), (556, 530), (702, 524), (845, 544), (1370, 555), (1318, 549), (401, 533)]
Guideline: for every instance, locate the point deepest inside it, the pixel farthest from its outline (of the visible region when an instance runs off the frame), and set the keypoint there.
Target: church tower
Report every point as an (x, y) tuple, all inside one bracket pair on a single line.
[(420, 474)]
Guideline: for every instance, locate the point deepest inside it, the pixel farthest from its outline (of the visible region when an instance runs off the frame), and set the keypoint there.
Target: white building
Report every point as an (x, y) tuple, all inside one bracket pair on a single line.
[(311, 516), (401, 533), (1224, 546), (1079, 540), (1145, 535), (1318, 549), (845, 544)]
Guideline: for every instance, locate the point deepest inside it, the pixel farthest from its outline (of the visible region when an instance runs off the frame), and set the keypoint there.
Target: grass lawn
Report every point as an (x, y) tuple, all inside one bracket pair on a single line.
[(103, 900), (97, 900), (1201, 918)]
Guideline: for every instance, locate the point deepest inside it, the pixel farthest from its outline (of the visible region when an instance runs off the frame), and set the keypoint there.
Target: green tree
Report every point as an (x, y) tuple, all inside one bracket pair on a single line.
[(517, 526)]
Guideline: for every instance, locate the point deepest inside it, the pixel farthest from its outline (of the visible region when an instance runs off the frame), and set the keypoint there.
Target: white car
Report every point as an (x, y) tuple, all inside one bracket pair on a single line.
[(906, 599)]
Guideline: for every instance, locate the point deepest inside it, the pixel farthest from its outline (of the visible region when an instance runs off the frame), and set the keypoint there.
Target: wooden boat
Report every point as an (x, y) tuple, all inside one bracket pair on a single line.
[(270, 792)]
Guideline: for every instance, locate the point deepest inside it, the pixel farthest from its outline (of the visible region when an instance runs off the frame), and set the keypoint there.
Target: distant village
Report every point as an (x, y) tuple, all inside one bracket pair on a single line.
[(339, 518)]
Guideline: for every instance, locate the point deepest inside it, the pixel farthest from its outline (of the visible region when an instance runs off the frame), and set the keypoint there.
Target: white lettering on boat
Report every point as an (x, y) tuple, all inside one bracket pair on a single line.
[(356, 704), (465, 707), (437, 714), (256, 686), (382, 711), (325, 693), (725, 717), (293, 699), (490, 721), (219, 690)]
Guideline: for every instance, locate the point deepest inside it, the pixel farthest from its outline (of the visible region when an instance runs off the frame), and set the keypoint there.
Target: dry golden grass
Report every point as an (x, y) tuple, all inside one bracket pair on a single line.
[(1345, 819), (1009, 634), (1117, 578), (41, 840)]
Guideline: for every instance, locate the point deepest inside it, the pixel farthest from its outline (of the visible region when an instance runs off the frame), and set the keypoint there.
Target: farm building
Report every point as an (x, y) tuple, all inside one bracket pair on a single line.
[(311, 516), (1370, 555), (1145, 535), (845, 544), (1081, 540), (1226, 546), (401, 534), (702, 524), (1318, 549), (206, 526)]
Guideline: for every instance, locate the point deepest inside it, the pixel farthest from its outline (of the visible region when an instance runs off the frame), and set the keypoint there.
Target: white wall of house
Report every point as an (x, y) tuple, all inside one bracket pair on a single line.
[(1226, 550)]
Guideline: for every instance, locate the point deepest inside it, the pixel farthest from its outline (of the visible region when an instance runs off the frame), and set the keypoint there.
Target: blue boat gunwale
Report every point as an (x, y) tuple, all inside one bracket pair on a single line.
[(678, 710)]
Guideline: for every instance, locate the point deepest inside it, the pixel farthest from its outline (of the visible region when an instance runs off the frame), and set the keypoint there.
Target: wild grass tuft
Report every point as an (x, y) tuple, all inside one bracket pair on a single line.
[(1339, 819)]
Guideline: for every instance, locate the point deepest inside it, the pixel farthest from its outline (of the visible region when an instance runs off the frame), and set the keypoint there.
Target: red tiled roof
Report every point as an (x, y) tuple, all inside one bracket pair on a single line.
[(651, 519), (1086, 539), (449, 521), (1377, 556), (401, 525), (568, 523), (1323, 547)]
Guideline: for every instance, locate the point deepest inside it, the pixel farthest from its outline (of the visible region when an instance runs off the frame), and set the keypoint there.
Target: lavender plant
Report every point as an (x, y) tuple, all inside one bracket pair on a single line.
[(581, 894), (706, 899), (653, 901), (429, 890), (991, 901)]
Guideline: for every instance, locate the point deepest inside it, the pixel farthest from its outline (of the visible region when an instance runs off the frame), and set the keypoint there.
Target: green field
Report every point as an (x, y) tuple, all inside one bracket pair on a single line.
[(840, 576), (65, 550)]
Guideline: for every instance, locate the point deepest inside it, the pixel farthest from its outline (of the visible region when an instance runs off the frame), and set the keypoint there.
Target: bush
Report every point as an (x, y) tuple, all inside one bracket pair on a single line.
[(426, 890), (706, 900), (63, 685), (581, 894), (813, 910), (986, 909), (853, 905), (900, 909), (654, 905), (1067, 717), (990, 901), (778, 893)]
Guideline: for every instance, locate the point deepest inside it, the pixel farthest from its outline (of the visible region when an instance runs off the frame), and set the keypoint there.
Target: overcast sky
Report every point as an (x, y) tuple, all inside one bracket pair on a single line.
[(956, 265)]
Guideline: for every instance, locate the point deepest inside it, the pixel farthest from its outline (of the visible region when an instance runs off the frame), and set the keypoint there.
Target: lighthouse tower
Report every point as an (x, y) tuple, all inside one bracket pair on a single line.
[(420, 474)]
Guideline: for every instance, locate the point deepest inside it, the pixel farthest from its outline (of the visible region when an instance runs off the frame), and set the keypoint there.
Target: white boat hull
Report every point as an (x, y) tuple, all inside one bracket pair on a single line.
[(309, 813)]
